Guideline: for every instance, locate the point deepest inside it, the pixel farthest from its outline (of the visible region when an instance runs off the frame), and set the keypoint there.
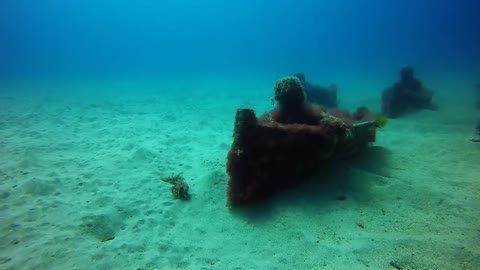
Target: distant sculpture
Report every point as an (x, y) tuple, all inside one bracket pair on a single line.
[(324, 96), (477, 96), (477, 133), (406, 94), (477, 106), (288, 144)]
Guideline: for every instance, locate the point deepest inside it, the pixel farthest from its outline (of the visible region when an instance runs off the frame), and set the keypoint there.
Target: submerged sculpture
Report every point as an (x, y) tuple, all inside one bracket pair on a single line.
[(290, 143), (406, 94), (324, 96), (477, 106), (477, 96), (477, 133)]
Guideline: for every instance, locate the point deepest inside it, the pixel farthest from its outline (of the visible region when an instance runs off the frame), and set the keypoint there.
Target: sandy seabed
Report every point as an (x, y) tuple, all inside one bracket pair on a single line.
[(80, 188)]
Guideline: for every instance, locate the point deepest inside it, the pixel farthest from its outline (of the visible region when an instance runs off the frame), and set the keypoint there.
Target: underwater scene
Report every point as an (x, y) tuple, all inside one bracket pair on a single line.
[(239, 135)]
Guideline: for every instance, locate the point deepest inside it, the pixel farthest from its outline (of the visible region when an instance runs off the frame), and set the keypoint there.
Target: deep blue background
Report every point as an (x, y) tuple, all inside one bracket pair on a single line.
[(122, 38)]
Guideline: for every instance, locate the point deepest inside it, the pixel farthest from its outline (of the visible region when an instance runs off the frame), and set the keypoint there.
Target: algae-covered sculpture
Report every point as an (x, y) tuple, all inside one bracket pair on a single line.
[(179, 187), (324, 96), (285, 146), (406, 94)]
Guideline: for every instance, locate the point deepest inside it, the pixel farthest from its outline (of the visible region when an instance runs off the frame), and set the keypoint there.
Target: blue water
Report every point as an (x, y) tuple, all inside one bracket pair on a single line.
[(100, 99), (108, 38)]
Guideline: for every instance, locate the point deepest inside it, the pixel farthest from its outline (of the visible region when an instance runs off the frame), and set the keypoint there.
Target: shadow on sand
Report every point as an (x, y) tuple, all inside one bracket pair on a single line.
[(349, 180)]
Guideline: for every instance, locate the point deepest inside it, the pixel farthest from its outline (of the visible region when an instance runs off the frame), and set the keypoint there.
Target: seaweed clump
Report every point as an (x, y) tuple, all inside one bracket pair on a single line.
[(381, 120), (179, 187)]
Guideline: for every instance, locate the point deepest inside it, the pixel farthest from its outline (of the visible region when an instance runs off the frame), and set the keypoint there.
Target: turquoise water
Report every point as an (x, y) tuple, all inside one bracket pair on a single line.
[(99, 100)]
